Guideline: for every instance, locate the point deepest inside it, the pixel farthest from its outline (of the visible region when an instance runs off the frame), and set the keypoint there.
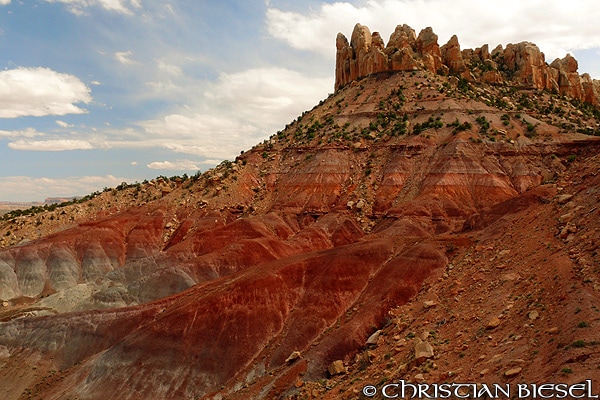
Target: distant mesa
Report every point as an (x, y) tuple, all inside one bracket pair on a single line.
[(520, 65), (58, 200), (7, 206)]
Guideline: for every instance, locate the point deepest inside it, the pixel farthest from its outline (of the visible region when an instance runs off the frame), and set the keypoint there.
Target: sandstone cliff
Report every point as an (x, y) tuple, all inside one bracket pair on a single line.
[(521, 64)]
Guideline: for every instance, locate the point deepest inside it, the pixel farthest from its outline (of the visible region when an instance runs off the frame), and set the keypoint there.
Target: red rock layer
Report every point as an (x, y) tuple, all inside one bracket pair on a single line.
[(304, 244)]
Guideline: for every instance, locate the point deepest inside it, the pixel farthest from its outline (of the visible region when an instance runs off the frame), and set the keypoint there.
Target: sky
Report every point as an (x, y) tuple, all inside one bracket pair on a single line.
[(94, 93)]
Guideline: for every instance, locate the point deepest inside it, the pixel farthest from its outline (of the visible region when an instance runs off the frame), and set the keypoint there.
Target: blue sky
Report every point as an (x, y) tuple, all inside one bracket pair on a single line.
[(96, 92)]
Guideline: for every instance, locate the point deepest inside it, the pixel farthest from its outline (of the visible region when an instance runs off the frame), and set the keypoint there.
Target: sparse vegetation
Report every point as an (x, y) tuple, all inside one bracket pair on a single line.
[(463, 85), (484, 124), (458, 127), (430, 123)]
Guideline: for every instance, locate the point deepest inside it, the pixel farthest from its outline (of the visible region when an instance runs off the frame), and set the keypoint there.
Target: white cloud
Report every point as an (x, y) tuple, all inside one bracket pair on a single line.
[(166, 88), (269, 92), (236, 112), (63, 124), (78, 7), (317, 30), (200, 134), (39, 92), (50, 145), (210, 162), (183, 126), (171, 69), (25, 133), (179, 165), (124, 57), (555, 26), (26, 188), (4, 2)]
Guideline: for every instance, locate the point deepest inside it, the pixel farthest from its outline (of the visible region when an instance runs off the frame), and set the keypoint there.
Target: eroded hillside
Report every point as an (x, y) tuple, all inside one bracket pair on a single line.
[(416, 203)]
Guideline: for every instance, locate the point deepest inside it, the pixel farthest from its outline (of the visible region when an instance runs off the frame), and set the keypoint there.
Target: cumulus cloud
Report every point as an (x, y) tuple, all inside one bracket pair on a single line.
[(26, 188), (50, 145), (198, 134), (236, 112), (4, 2), (39, 92), (179, 165), (79, 7), (230, 115), (268, 92), (555, 26)]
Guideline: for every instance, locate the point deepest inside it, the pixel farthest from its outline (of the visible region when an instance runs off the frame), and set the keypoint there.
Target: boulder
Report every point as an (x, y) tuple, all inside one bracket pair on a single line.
[(336, 368), (423, 351), (374, 338), (293, 357), (513, 372), (493, 323), (533, 315)]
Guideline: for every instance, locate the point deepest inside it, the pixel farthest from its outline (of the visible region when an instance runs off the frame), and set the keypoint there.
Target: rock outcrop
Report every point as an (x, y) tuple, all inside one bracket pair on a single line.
[(521, 64), (453, 59)]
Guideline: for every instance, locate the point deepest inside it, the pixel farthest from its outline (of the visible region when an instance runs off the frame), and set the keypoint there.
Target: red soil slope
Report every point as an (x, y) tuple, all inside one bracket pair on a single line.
[(305, 243)]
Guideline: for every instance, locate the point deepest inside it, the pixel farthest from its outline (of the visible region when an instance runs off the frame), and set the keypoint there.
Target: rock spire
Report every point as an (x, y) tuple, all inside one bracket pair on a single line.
[(521, 64)]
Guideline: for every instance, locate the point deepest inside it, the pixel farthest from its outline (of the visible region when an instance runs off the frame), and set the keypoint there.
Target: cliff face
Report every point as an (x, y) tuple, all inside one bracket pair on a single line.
[(521, 64)]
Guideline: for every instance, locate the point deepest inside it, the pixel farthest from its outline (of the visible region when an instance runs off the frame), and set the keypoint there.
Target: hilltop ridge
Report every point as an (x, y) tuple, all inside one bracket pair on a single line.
[(521, 64)]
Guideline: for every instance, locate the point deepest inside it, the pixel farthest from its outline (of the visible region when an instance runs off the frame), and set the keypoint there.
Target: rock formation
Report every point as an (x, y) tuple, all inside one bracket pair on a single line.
[(428, 49), (406, 207), (452, 58), (521, 64)]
